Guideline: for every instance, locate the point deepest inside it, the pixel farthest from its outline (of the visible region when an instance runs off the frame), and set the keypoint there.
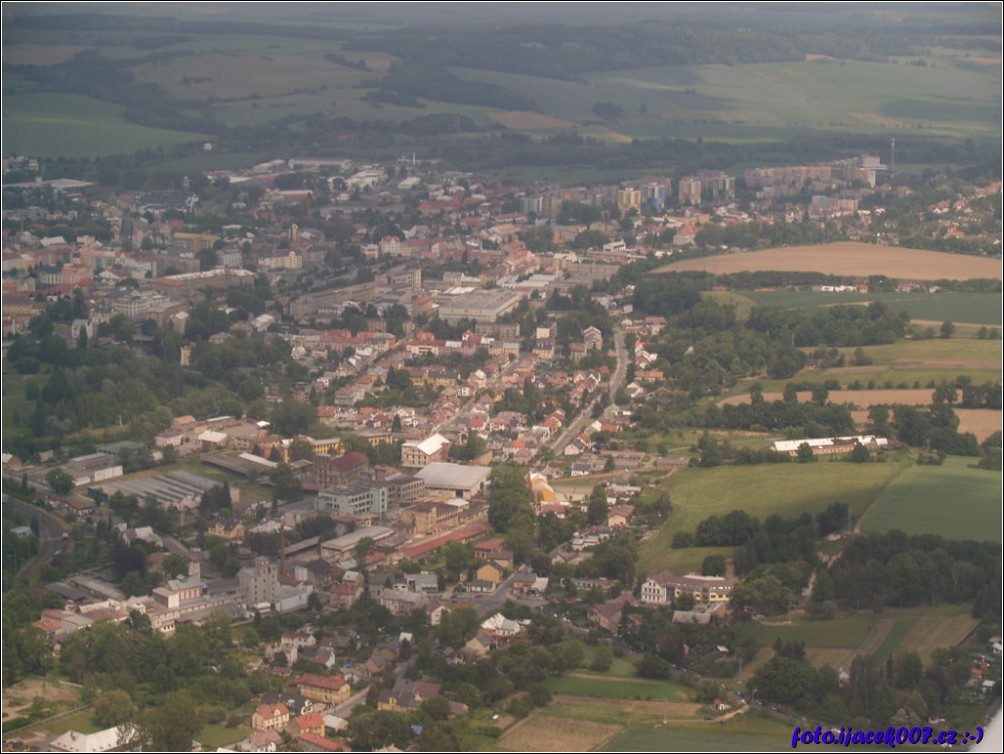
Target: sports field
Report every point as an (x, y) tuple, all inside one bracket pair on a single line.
[(848, 258), (951, 500)]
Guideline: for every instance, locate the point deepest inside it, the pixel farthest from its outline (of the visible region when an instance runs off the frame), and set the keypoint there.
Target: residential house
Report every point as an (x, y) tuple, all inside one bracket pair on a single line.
[(402, 602), (261, 741), (322, 688), (479, 646), (620, 516), (309, 723), (607, 615), (407, 695), (345, 595), (491, 572), (270, 717), (313, 742)]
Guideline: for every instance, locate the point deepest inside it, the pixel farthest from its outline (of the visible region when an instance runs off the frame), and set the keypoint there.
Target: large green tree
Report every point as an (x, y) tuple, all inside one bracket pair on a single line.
[(510, 500)]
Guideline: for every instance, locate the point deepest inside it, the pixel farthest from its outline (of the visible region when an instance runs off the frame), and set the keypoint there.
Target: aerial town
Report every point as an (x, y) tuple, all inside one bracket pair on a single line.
[(348, 453)]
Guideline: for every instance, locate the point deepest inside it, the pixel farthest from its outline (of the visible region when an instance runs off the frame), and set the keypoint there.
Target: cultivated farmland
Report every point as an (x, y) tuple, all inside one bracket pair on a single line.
[(952, 500), (546, 733), (68, 125), (787, 489), (851, 259), (982, 422), (748, 732), (894, 631), (974, 308)]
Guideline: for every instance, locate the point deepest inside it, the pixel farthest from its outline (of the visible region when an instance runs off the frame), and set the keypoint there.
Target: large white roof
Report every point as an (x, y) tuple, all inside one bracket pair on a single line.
[(452, 475)]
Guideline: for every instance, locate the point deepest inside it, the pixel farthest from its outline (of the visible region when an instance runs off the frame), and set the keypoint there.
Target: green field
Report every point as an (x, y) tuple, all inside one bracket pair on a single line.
[(836, 95), (749, 732), (607, 714), (758, 102), (215, 736), (982, 352), (785, 489), (847, 632), (909, 364), (888, 377), (951, 500), (894, 631), (68, 125), (979, 308), (597, 686), (82, 722), (252, 79)]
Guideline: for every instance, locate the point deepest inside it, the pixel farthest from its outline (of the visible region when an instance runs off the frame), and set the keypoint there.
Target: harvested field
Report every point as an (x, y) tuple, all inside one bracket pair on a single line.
[(620, 712), (38, 54), (982, 422), (607, 134), (540, 733), (929, 633), (860, 398), (853, 259), (832, 656), (246, 75), (525, 120)]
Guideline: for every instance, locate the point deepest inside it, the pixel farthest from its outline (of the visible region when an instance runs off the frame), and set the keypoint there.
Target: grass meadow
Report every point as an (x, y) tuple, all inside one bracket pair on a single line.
[(749, 732), (978, 308), (892, 632), (908, 364), (253, 79), (952, 500), (784, 489), (69, 125), (760, 102), (593, 685)]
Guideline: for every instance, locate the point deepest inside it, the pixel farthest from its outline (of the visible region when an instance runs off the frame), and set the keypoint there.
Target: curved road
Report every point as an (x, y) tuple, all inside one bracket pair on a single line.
[(50, 528)]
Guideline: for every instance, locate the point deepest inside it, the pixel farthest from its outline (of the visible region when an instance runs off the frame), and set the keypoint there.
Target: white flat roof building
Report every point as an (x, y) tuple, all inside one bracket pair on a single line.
[(463, 481)]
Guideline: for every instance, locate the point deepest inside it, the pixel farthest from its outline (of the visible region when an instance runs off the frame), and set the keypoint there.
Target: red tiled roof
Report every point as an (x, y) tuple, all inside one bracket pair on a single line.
[(333, 683), (320, 743)]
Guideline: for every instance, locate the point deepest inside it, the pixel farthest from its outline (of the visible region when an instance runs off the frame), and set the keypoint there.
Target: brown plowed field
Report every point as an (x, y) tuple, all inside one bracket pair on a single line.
[(525, 120), (852, 259), (38, 54)]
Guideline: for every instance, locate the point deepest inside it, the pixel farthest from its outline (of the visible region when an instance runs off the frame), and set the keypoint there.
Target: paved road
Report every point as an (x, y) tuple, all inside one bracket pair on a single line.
[(586, 415)]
